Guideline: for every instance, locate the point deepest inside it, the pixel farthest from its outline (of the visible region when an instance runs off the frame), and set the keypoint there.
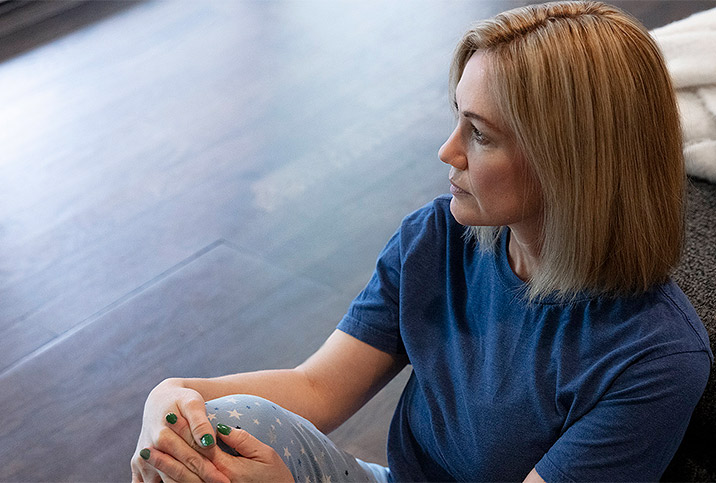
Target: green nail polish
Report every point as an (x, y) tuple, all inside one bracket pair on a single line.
[(144, 454), (223, 429), (171, 418), (207, 440)]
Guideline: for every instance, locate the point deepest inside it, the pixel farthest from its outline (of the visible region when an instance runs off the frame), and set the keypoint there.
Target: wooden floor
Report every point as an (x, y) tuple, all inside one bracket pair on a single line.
[(197, 188)]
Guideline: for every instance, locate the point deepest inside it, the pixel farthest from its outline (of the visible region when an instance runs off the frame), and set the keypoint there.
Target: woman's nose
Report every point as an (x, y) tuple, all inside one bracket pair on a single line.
[(452, 153)]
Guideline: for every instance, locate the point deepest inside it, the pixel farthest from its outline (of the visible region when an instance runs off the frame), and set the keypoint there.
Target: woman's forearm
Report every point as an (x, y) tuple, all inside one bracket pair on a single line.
[(327, 389), (289, 388)]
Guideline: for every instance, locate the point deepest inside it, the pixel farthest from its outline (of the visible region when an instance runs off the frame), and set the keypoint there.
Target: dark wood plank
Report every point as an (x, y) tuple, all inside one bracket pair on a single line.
[(140, 139), (27, 25), (84, 393)]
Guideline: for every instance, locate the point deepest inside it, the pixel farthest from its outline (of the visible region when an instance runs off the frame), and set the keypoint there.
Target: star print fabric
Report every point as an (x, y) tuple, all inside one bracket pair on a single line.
[(308, 453)]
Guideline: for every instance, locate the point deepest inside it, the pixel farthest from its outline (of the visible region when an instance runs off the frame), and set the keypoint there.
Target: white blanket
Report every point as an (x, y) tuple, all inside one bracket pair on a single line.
[(689, 47)]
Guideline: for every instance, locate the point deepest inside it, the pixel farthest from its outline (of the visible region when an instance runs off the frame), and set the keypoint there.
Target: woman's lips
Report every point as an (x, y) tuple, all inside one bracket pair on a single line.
[(456, 190)]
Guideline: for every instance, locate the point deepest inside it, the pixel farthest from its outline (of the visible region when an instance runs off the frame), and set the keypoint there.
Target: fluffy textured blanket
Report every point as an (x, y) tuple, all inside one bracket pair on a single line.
[(689, 46)]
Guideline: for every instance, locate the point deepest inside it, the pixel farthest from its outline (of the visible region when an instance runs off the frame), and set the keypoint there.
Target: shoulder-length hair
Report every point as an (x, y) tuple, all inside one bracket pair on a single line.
[(585, 90)]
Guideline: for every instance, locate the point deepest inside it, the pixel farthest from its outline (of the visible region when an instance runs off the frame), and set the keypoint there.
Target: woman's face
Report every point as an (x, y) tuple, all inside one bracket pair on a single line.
[(491, 182)]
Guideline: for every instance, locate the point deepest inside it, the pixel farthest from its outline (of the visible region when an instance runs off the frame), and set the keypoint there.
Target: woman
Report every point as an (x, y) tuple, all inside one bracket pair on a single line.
[(549, 343)]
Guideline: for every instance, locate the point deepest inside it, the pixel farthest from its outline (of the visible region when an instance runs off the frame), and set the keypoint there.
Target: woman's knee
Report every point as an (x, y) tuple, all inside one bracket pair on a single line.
[(306, 451), (242, 411), (253, 414)]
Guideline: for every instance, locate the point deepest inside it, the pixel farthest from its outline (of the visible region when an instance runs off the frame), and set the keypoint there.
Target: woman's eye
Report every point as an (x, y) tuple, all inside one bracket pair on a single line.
[(478, 136)]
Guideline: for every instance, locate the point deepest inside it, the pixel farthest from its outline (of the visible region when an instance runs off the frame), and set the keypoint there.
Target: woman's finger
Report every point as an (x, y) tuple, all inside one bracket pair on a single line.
[(180, 426), (169, 468), (194, 412), (143, 473), (258, 461), (136, 473), (244, 443), (189, 457), (247, 445)]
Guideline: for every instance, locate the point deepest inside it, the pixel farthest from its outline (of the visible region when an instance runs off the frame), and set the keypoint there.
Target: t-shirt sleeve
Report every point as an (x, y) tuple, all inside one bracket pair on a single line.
[(373, 316), (633, 431)]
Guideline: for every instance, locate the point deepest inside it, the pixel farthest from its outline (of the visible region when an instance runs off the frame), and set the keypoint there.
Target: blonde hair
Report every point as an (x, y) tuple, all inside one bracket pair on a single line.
[(585, 90)]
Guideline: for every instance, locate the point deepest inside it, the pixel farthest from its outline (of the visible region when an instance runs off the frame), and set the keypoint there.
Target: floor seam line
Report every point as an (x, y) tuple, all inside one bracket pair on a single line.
[(113, 305), (236, 247)]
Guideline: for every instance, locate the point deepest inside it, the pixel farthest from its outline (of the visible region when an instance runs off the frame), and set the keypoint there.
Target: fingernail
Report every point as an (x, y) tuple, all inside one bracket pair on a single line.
[(207, 440), (223, 429), (144, 454), (171, 418)]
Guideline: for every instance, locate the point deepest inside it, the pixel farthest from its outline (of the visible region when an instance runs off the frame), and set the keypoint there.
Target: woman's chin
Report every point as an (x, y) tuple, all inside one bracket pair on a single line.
[(463, 214)]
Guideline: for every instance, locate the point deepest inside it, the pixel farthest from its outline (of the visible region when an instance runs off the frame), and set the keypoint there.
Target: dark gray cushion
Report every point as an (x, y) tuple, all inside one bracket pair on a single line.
[(696, 457)]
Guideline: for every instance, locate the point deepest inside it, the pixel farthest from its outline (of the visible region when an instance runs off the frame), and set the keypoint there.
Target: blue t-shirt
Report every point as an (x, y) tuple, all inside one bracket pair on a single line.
[(596, 390)]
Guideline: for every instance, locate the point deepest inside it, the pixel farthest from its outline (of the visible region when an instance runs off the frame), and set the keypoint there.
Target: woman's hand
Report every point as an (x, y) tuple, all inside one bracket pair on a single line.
[(257, 461), (181, 450)]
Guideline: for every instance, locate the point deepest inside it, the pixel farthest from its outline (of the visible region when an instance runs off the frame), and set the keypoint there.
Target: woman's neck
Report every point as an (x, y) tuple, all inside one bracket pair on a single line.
[(523, 252)]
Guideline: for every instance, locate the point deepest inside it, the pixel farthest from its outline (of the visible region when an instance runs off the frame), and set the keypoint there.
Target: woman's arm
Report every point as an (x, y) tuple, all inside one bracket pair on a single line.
[(533, 477), (326, 389), (635, 427), (345, 374)]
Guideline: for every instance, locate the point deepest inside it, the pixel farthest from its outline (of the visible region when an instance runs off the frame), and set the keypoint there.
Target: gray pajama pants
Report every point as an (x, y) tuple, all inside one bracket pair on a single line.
[(308, 453)]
